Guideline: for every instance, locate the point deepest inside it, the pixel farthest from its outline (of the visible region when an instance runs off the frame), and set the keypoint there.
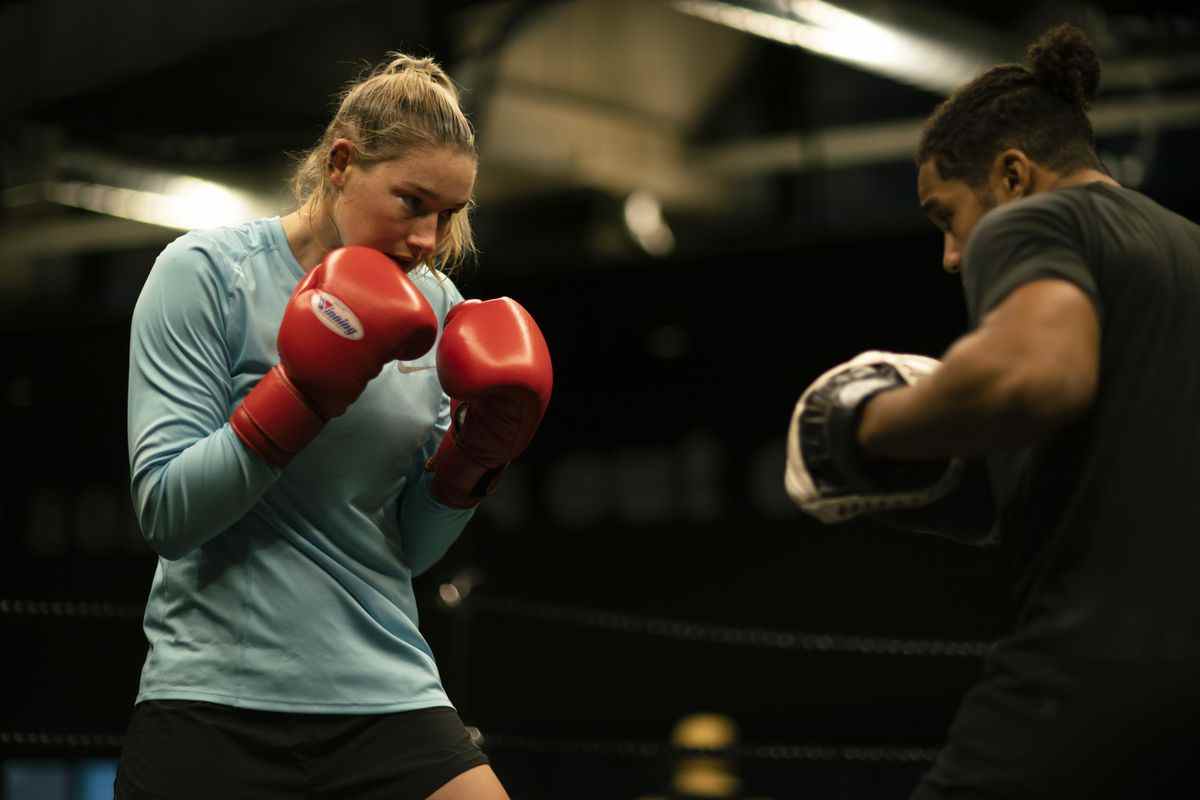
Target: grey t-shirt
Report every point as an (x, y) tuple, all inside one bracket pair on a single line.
[(1108, 508)]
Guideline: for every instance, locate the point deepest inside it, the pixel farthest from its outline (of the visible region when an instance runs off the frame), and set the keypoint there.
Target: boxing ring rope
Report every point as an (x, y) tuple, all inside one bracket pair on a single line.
[(75, 743), (763, 752), (69, 608), (603, 620), (99, 743), (632, 624), (729, 635)]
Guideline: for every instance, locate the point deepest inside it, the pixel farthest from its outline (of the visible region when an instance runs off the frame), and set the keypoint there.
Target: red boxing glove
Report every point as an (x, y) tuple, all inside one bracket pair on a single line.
[(351, 315), (494, 363)]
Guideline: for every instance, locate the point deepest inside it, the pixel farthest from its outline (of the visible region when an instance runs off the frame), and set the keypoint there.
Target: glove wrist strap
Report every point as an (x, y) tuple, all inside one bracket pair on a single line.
[(274, 420), (458, 481)]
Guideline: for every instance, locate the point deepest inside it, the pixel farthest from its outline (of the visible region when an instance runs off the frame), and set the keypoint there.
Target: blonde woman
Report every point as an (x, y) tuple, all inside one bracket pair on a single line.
[(314, 414)]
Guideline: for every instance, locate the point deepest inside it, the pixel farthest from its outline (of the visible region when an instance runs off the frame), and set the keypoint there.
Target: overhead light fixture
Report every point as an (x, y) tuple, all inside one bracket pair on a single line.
[(182, 203), (832, 31)]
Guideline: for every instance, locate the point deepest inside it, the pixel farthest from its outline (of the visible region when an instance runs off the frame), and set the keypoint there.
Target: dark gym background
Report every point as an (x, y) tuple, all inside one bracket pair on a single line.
[(701, 218)]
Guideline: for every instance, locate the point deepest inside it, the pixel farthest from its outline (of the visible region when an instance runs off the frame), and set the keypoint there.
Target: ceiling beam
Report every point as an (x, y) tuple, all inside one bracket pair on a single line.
[(858, 145)]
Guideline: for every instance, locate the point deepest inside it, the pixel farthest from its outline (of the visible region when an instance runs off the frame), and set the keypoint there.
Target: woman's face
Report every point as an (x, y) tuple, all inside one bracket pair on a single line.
[(402, 207)]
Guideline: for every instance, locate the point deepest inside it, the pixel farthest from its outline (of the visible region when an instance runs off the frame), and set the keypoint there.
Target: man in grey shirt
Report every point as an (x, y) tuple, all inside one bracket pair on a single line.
[(1079, 385)]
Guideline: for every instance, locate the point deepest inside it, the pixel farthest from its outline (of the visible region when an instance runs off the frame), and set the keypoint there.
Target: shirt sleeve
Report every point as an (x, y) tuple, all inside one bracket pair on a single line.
[(191, 478), (1025, 241), (428, 528)]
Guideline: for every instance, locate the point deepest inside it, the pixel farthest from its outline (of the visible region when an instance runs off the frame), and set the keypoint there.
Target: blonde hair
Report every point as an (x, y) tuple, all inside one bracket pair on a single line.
[(403, 105)]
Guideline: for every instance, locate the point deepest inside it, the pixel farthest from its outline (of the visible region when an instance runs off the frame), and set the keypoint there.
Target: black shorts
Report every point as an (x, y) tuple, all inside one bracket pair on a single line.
[(1036, 726), (188, 749)]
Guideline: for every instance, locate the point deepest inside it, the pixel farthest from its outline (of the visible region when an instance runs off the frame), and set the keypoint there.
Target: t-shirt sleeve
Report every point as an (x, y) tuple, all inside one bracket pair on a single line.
[(1023, 242), (190, 476), (444, 296), (428, 528)]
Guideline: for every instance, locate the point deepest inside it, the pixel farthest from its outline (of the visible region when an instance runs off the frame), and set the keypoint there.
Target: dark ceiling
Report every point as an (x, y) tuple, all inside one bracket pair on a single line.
[(746, 141)]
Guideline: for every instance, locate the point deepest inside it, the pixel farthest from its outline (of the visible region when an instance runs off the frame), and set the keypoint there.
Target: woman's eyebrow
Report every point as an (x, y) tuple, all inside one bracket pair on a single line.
[(432, 195)]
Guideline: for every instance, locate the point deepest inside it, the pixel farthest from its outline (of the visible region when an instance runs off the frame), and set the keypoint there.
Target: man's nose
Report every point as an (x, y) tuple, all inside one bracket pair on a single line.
[(951, 256)]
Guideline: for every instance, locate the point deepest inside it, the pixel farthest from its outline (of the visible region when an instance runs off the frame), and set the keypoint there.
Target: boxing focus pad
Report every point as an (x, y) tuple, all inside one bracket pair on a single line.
[(967, 514), (827, 475)]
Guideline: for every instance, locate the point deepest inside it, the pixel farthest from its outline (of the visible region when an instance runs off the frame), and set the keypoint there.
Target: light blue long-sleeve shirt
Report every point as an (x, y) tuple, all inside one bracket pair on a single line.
[(290, 589)]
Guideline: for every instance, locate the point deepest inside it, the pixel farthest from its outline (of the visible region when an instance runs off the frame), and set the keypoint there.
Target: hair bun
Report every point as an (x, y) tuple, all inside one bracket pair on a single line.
[(410, 67), (401, 62), (1063, 61)]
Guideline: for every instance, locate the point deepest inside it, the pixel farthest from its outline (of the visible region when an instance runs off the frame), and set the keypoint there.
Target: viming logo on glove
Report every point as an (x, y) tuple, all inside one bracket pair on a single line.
[(335, 315)]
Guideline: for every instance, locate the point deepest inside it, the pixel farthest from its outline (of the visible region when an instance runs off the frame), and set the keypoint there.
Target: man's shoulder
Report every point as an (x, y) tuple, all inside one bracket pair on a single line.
[(1043, 207), (1049, 217)]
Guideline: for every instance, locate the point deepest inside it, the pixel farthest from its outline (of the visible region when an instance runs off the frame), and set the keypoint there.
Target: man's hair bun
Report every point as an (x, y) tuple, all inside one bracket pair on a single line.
[(1064, 62)]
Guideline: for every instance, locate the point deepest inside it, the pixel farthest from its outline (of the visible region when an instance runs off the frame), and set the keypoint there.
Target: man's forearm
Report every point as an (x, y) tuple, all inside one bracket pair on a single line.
[(977, 402)]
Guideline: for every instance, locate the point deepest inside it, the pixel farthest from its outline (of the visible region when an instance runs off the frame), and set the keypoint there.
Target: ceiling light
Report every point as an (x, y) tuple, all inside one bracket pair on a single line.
[(848, 37)]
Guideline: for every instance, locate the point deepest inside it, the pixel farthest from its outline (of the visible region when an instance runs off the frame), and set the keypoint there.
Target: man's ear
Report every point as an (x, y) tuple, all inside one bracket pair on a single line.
[(1012, 175), (339, 161)]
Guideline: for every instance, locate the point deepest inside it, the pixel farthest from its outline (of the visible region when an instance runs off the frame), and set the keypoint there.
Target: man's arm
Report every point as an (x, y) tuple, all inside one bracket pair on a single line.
[(1031, 366)]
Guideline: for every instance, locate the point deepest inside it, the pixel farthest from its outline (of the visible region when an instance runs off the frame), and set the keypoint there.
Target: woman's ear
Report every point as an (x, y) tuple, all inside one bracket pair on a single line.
[(339, 161)]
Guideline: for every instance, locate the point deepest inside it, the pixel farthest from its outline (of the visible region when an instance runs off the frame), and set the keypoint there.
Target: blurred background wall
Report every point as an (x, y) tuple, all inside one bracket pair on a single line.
[(705, 204)]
